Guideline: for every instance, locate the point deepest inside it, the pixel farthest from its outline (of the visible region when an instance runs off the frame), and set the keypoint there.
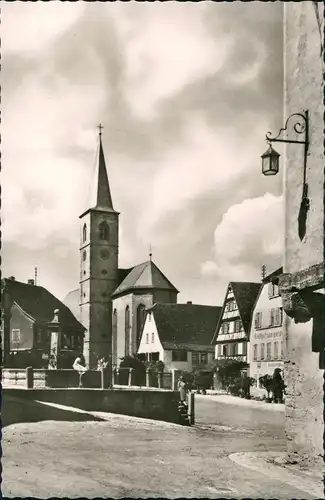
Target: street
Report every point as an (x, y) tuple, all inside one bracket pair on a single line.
[(125, 457)]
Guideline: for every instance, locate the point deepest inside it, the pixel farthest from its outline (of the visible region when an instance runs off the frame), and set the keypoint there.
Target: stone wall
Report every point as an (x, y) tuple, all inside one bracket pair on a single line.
[(43, 378), (303, 90), (153, 404)]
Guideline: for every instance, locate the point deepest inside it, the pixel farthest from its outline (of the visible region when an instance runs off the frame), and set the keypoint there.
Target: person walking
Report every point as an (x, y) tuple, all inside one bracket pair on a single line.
[(80, 366), (182, 389), (277, 386)]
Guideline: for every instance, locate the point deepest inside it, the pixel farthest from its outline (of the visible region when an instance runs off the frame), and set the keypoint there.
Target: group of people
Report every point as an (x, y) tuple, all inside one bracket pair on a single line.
[(81, 367)]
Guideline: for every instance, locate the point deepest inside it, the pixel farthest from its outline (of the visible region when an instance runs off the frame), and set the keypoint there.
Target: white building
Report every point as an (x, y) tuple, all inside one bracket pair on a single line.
[(180, 335), (266, 346)]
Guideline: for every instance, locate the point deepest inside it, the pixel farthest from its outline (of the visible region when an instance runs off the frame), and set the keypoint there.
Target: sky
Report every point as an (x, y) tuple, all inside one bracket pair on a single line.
[(186, 93)]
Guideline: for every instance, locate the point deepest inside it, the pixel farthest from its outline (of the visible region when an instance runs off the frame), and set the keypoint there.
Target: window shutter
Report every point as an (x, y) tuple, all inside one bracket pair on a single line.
[(270, 290)]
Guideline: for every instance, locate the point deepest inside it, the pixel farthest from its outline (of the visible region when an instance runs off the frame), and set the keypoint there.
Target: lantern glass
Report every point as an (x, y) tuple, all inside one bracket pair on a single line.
[(270, 162)]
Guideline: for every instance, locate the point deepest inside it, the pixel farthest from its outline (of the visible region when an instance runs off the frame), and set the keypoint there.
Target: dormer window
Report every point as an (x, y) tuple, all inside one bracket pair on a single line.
[(104, 231)]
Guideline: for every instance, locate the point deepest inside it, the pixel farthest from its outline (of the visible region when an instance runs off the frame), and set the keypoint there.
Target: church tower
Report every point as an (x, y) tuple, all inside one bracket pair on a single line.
[(99, 229)]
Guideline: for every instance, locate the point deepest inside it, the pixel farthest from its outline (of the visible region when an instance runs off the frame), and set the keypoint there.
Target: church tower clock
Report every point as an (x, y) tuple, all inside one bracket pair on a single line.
[(99, 227)]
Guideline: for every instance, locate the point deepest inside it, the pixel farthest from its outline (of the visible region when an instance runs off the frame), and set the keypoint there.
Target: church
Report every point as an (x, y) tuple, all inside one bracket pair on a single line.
[(110, 301)]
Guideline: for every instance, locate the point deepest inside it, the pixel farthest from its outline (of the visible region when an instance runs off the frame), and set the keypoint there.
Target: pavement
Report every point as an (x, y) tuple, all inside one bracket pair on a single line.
[(233, 451), (232, 400)]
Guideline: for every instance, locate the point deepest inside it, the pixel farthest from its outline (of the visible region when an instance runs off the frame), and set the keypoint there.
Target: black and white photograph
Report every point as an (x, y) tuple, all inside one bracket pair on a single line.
[(162, 249)]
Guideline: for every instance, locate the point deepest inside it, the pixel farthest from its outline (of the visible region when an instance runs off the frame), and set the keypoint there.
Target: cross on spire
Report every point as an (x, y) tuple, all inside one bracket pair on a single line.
[(100, 127)]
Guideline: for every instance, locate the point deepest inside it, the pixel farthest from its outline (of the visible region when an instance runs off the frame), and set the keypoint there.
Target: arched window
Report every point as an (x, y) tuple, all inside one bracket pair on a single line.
[(127, 331), (104, 231), (141, 314), (114, 338), (84, 233)]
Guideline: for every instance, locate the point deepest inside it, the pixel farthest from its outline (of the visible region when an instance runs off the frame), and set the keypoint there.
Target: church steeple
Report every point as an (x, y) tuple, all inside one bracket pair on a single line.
[(100, 195)]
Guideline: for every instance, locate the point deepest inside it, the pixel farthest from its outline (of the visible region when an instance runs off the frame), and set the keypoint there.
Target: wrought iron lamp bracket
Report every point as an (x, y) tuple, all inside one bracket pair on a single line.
[(300, 127)]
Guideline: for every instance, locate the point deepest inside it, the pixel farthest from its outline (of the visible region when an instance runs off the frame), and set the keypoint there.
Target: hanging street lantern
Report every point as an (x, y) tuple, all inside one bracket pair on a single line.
[(270, 162)]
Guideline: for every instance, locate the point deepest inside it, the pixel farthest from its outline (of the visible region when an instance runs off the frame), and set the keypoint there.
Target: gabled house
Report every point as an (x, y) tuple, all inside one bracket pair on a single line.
[(28, 327), (266, 344), (179, 335), (232, 331)]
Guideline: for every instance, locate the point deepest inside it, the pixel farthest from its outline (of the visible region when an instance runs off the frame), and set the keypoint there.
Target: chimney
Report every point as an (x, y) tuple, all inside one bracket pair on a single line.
[(12, 278), (31, 282), (189, 302)]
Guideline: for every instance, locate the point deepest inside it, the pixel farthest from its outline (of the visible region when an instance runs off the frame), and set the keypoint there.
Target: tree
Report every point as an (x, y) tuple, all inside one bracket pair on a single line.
[(139, 367), (228, 372), (266, 381)]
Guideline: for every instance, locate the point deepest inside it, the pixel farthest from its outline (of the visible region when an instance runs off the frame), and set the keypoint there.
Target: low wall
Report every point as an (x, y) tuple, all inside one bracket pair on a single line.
[(154, 404), (49, 378)]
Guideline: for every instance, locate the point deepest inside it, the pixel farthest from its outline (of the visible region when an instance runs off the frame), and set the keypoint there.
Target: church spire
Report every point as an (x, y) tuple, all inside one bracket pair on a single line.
[(100, 197)]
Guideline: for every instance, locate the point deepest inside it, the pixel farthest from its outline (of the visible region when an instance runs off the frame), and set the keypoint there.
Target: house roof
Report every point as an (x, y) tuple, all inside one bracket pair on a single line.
[(40, 304), (144, 276), (245, 294), (181, 325)]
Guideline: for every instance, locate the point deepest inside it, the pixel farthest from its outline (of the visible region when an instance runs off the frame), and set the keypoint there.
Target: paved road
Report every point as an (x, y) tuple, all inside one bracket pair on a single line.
[(120, 457)]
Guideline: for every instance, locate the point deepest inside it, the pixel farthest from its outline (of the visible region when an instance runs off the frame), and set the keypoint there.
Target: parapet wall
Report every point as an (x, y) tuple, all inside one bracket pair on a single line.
[(156, 404)]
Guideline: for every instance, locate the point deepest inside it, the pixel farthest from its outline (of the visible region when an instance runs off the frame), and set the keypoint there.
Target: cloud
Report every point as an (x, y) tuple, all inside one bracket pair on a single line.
[(184, 106), (250, 234), (27, 28)]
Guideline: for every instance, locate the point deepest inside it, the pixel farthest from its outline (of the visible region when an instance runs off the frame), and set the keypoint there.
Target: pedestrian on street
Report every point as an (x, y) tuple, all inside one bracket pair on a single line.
[(277, 386), (80, 366), (182, 389)]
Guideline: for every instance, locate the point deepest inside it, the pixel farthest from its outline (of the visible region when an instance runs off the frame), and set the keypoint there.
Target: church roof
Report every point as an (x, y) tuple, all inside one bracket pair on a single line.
[(245, 294), (184, 326), (71, 300), (100, 197), (144, 276), (39, 304)]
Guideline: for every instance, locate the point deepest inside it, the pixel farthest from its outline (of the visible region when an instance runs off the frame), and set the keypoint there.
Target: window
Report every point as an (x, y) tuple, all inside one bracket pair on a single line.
[(152, 337), (15, 338), (278, 316), (84, 233), (225, 328), (114, 338), (154, 356), (219, 350), (232, 306), (232, 349), (147, 338), (141, 314), (104, 231), (244, 344), (195, 358), (258, 320), (262, 350), (179, 355), (255, 352), (224, 350), (203, 358), (276, 350), (127, 331), (227, 307), (238, 326), (273, 290), (268, 350)]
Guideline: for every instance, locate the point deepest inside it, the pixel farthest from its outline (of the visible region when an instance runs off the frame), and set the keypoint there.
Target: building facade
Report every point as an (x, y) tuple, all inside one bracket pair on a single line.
[(179, 335), (267, 338), (232, 331), (29, 327), (302, 284)]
